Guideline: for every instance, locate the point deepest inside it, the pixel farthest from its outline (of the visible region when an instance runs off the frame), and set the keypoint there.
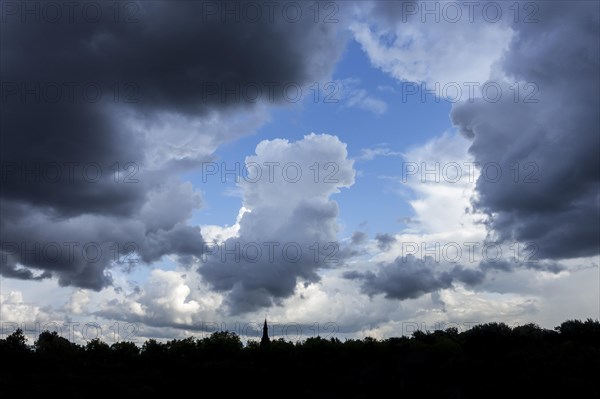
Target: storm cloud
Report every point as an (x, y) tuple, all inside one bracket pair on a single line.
[(99, 114), (547, 145), (409, 277)]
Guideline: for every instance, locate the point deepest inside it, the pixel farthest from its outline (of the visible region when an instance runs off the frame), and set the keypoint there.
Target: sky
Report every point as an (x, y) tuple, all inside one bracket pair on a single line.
[(343, 169)]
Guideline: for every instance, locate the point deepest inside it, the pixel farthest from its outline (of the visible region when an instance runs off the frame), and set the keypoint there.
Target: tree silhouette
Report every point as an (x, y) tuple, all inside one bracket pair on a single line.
[(491, 360), (153, 350), (16, 342), (222, 342), (52, 344), (124, 350)]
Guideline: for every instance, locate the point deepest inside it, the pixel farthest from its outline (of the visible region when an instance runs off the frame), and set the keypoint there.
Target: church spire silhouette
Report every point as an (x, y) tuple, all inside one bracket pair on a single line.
[(265, 336)]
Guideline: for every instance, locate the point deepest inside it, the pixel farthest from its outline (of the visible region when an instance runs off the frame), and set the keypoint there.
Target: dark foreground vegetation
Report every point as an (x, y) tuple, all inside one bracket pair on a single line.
[(489, 360)]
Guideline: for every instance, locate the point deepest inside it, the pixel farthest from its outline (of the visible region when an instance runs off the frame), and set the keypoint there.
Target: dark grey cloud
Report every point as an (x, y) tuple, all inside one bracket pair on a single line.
[(10, 269), (509, 266), (170, 56), (358, 237), (554, 142), (161, 78), (384, 241), (80, 251), (409, 277), (468, 276), (173, 52)]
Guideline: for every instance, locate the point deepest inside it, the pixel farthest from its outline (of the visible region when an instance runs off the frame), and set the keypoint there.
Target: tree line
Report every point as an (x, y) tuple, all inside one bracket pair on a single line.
[(489, 360)]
